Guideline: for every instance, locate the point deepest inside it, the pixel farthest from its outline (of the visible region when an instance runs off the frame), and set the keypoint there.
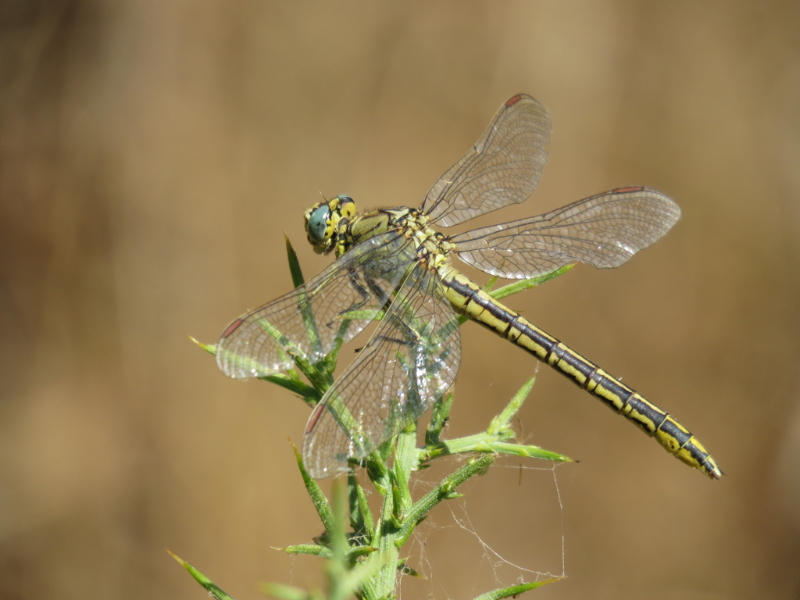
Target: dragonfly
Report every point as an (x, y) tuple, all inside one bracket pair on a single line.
[(393, 267)]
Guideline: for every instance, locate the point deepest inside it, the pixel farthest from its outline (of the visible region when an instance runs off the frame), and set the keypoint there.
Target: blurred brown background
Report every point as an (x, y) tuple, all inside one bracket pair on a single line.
[(154, 154)]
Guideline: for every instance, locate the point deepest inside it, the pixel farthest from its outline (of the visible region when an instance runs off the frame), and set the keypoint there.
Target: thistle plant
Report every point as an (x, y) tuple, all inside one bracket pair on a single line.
[(362, 551)]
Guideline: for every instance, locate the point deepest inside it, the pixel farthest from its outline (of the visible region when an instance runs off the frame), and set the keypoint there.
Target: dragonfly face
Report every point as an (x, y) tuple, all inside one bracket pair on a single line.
[(322, 222), (391, 263)]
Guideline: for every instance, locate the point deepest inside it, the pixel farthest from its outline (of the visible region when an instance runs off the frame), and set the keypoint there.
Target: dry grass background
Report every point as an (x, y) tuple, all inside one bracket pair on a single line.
[(154, 154)]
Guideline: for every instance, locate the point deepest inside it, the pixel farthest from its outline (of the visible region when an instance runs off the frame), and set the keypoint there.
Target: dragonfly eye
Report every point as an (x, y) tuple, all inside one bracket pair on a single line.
[(318, 223)]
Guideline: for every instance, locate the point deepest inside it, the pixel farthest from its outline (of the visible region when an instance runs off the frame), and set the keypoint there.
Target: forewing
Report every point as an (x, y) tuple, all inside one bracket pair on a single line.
[(306, 321), (603, 231), (503, 168), (411, 360)]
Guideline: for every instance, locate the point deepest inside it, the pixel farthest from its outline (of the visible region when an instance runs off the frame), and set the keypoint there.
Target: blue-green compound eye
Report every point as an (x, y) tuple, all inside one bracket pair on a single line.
[(318, 223)]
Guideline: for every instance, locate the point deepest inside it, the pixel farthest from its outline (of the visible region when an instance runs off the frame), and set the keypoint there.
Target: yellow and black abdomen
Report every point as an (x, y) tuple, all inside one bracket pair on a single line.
[(468, 299)]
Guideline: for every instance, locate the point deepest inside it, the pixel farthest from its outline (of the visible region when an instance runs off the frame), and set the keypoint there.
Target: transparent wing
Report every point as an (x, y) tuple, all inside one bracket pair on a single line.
[(503, 168), (307, 320), (411, 360), (604, 231)]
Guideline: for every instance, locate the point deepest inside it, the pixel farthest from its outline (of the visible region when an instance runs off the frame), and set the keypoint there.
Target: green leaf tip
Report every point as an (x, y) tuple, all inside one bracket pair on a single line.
[(529, 452), (515, 590), (294, 264), (307, 549), (209, 585), (526, 284), (504, 418), (210, 348), (318, 499)]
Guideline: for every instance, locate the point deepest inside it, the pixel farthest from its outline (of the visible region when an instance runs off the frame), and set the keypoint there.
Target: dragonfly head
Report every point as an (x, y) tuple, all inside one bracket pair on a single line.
[(322, 222)]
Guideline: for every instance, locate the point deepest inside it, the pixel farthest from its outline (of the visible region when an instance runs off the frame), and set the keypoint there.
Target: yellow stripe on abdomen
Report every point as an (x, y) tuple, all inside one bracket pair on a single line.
[(468, 299)]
